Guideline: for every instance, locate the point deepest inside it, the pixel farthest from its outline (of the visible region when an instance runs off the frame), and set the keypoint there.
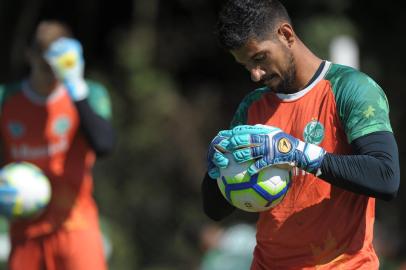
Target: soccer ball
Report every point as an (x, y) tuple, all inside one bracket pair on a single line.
[(256, 193), (24, 190)]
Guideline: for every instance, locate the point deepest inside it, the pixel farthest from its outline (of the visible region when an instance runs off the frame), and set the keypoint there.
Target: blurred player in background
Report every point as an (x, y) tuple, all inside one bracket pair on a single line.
[(338, 137), (227, 248), (60, 122)]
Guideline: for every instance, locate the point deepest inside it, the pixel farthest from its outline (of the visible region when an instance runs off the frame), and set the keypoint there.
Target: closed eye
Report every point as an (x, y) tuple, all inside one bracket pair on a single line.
[(259, 57)]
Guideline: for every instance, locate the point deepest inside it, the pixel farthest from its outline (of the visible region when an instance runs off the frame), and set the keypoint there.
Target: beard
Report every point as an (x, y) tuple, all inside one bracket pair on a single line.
[(286, 78)]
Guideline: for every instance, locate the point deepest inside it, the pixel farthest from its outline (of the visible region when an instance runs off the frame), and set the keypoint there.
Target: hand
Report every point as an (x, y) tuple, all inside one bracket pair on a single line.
[(66, 60), (271, 146), (215, 155)]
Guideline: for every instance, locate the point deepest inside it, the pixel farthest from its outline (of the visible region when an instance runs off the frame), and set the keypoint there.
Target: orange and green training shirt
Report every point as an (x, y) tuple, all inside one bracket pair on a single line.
[(45, 131), (317, 225)]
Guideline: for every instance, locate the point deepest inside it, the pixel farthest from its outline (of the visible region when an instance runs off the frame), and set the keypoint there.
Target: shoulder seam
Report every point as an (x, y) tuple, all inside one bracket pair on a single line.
[(240, 116)]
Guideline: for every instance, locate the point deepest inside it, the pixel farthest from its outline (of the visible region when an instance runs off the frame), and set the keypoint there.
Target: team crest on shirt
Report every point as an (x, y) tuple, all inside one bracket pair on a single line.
[(61, 125), (16, 129), (313, 132)]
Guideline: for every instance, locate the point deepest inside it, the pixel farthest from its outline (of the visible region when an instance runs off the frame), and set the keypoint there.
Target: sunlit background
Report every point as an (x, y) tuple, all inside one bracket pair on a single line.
[(173, 88)]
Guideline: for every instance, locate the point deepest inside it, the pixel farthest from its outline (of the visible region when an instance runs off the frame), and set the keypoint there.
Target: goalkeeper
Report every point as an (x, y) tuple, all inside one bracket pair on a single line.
[(60, 122), (329, 121)]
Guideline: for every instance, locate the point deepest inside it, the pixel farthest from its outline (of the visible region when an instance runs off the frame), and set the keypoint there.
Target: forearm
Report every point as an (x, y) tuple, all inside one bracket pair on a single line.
[(65, 57), (98, 131), (372, 171), (215, 205)]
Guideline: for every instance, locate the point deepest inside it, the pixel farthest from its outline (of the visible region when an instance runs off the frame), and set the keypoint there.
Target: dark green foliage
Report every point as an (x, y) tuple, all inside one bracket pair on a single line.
[(173, 88)]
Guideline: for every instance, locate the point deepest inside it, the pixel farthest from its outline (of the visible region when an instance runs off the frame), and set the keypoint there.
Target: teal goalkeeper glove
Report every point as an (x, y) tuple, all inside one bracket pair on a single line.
[(215, 155), (65, 56), (269, 145)]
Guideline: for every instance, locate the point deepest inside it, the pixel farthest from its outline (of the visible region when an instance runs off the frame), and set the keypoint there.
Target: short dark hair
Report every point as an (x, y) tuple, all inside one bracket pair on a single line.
[(241, 20), (47, 31)]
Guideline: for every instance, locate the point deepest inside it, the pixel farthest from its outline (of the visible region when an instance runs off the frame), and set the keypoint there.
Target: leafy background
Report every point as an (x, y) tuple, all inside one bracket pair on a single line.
[(173, 88)]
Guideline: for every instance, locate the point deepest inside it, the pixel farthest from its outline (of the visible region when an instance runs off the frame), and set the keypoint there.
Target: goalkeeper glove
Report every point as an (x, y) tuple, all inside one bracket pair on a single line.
[(66, 60), (269, 145), (215, 155)]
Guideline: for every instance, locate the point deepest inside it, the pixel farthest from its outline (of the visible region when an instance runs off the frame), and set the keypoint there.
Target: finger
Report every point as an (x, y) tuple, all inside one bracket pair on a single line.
[(270, 128), (217, 139), (249, 129), (225, 133), (63, 45), (214, 154), (220, 160), (258, 165), (255, 129), (218, 144), (214, 173), (239, 141), (246, 154), (244, 141), (222, 146)]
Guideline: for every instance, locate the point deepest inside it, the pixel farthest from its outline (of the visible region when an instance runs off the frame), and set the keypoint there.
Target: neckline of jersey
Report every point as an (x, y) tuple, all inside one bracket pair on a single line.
[(35, 98), (315, 80)]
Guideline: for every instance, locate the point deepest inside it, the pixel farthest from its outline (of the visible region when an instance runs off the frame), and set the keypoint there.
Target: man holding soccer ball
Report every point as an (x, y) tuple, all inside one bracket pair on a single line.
[(329, 121), (60, 122)]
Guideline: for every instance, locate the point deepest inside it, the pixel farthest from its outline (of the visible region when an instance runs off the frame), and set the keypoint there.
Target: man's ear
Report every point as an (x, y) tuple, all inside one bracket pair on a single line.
[(286, 34)]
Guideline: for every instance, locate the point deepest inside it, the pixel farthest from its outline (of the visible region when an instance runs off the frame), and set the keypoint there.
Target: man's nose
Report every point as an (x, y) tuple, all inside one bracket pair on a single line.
[(256, 74)]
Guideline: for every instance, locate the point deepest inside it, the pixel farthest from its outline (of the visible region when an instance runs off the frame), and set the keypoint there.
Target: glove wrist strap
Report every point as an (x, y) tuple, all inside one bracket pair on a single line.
[(309, 156), (77, 89)]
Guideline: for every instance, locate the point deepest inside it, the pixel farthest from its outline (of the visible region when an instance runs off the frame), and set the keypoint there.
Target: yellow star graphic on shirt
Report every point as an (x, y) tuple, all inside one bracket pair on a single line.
[(369, 112), (329, 253)]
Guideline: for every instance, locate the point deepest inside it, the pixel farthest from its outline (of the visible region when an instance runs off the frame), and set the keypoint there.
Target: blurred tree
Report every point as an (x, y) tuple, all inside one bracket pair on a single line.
[(160, 156), (173, 88)]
